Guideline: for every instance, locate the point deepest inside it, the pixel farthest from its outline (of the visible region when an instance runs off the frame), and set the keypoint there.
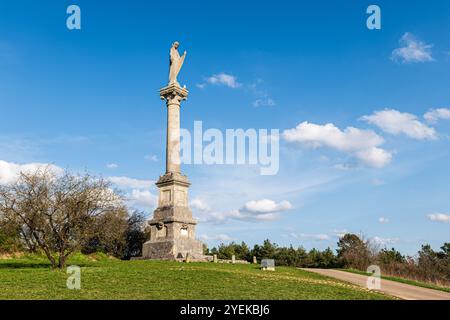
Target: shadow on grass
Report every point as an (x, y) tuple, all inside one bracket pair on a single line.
[(24, 265)]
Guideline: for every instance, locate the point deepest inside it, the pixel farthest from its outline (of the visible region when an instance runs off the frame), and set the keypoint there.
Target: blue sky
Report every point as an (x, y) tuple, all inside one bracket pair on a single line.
[(88, 100)]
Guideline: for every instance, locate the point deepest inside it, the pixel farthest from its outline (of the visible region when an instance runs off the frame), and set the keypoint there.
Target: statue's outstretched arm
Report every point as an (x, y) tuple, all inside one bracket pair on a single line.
[(181, 62)]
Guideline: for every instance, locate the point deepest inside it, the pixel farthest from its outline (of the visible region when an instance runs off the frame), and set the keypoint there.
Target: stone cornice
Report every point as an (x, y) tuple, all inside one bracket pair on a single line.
[(171, 220), (173, 178), (173, 94)]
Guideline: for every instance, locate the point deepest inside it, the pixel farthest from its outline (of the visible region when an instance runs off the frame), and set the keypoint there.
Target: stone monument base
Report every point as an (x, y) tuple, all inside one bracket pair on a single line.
[(174, 249)]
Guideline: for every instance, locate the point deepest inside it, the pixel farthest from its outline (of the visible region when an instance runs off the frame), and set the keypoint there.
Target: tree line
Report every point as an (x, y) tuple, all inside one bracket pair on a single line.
[(353, 252)]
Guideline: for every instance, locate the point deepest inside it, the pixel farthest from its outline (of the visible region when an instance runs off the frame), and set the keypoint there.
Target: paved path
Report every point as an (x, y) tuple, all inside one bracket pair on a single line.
[(397, 289)]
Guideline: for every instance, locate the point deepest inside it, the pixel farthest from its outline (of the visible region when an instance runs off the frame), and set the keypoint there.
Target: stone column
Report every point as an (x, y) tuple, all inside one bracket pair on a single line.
[(173, 136), (172, 229), (173, 95)]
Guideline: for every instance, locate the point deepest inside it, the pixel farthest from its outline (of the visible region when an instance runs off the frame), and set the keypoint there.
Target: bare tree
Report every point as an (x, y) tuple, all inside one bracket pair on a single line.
[(58, 212)]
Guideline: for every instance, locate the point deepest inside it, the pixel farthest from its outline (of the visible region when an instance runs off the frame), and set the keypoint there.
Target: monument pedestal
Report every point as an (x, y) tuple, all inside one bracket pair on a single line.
[(172, 229)]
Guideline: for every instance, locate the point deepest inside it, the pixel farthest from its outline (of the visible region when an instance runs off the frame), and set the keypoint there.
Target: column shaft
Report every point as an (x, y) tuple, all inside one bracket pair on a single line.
[(173, 138)]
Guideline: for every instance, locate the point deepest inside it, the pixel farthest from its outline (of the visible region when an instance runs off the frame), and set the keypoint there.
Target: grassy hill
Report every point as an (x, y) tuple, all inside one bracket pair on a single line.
[(30, 277)]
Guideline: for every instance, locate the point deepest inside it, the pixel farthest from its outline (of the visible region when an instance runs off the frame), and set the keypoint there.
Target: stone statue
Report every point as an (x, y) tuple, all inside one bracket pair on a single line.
[(176, 62)]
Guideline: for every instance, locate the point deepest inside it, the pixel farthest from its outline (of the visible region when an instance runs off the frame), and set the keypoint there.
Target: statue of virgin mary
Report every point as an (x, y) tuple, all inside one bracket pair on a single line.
[(176, 62)]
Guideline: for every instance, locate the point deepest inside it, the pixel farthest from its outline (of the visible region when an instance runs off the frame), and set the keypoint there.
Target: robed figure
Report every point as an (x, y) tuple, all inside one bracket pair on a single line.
[(176, 62)]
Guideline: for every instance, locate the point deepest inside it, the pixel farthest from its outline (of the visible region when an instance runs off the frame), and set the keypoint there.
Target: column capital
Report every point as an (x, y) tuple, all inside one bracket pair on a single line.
[(173, 94)]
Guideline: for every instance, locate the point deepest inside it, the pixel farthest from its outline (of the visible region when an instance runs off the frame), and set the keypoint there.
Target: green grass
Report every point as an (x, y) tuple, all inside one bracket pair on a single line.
[(30, 277), (403, 280)]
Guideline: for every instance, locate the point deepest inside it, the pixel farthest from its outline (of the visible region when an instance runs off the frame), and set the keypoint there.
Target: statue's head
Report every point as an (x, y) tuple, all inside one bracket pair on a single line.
[(176, 44)]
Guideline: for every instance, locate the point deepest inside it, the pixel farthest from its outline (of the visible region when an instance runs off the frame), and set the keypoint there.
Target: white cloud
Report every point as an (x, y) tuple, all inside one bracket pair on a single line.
[(374, 157), (224, 79), (10, 172), (383, 241), (439, 217), (126, 182), (383, 220), (363, 144), (434, 115), (262, 97), (199, 204), (249, 216), (264, 102), (221, 217), (258, 210), (316, 237), (112, 166), (412, 50), (218, 237), (396, 122), (221, 79), (211, 216), (339, 233), (204, 213), (142, 198), (266, 206)]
